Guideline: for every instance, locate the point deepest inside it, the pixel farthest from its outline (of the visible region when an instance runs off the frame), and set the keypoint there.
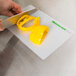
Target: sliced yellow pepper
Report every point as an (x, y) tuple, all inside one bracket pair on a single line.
[(23, 20), (38, 32)]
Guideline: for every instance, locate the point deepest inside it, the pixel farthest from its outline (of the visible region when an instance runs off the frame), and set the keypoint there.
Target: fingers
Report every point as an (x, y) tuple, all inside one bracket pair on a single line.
[(12, 9), (16, 8), (7, 13), (1, 26)]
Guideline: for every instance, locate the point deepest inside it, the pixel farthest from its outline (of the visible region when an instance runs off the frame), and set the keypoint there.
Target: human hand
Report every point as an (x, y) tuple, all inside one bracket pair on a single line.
[(8, 8)]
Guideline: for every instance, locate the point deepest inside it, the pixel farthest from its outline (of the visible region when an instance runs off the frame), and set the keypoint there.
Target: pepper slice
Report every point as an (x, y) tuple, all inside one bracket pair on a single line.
[(24, 19)]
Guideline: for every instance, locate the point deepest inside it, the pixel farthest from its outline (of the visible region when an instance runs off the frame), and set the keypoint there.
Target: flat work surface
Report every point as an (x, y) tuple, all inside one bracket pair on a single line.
[(18, 61), (56, 36)]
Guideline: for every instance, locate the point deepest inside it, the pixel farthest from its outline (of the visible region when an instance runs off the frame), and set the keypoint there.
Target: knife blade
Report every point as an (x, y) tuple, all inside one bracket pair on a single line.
[(13, 20)]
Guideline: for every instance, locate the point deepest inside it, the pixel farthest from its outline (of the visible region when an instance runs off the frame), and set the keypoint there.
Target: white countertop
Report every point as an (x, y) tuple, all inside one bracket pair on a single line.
[(63, 61)]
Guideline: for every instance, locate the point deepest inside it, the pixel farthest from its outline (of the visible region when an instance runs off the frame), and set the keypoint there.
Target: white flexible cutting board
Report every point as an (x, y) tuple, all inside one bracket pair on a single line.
[(56, 36)]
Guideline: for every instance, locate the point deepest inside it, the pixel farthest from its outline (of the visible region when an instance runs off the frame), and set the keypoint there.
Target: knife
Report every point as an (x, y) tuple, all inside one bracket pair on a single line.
[(13, 20)]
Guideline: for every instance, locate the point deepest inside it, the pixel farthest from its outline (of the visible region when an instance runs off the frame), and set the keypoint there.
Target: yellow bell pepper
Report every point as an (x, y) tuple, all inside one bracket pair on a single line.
[(38, 32), (23, 20)]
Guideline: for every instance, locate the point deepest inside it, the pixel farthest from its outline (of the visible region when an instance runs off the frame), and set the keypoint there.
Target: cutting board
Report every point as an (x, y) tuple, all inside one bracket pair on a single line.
[(56, 36)]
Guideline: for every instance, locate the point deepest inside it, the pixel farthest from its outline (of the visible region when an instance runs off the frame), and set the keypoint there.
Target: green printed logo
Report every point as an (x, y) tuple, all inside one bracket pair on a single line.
[(58, 25)]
